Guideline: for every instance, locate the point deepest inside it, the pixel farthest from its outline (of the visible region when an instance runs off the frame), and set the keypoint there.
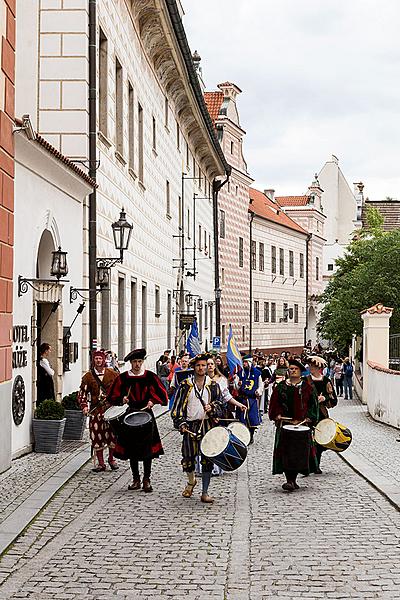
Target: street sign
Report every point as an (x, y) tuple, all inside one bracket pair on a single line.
[(216, 342), (186, 320)]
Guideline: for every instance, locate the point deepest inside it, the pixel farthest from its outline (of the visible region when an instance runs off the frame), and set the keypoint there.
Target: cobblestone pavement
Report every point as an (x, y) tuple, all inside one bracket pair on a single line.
[(29, 472), (373, 441), (335, 538)]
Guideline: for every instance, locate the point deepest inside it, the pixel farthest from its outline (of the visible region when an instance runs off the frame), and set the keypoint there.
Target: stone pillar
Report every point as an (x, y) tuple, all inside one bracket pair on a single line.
[(375, 340)]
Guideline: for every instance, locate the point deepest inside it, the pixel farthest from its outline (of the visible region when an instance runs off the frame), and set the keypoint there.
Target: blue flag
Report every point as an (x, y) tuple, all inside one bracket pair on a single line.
[(233, 356), (193, 343)]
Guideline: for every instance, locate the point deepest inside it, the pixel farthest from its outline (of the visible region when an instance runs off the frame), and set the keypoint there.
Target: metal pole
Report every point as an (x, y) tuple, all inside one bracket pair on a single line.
[(251, 286), (92, 174), (307, 284), (217, 185)]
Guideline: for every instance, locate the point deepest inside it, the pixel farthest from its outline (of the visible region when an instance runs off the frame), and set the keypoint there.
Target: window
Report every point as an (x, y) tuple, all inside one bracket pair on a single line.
[(209, 245), (169, 320), (256, 311), (154, 135), (301, 266), (211, 321), (232, 147), (121, 317), (237, 190), (223, 334), (166, 112), (253, 254), (180, 216), (240, 252), (273, 312), (205, 242), (285, 313), (119, 108), (133, 315), (243, 333), (330, 267), (222, 276), (281, 261), (199, 245), (178, 137), (273, 259), (222, 223), (266, 312), (261, 256), (200, 323), (291, 263), (188, 223), (131, 127), (103, 77), (157, 301), (187, 156), (296, 313), (316, 268), (144, 315), (168, 198), (140, 142), (205, 315)]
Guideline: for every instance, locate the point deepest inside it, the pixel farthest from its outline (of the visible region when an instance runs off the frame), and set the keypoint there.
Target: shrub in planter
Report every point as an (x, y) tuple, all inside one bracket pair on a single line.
[(48, 426), (76, 420)]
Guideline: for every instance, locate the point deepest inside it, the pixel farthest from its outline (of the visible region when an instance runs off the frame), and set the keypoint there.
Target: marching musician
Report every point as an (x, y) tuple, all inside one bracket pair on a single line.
[(141, 390), (326, 395), (294, 401), (198, 401), (93, 391), (251, 388)]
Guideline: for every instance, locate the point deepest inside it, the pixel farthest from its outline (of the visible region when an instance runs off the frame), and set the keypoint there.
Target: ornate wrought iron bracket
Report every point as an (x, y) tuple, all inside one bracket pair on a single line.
[(24, 284), (107, 263), (75, 292)]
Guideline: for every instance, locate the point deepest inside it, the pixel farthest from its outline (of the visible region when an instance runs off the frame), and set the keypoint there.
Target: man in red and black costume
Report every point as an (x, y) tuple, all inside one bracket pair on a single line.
[(94, 388), (141, 390)]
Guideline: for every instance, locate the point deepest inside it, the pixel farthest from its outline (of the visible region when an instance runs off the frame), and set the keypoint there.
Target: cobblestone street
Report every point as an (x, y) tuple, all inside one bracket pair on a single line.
[(336, 537)]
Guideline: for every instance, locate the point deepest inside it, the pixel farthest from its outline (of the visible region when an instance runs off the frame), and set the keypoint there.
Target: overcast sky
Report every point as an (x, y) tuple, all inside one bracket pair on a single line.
[(319, 77)]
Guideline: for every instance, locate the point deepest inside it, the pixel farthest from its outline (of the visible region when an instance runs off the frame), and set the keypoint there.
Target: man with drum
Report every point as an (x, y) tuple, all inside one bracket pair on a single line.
[(141, 390), (294, 408), (198, 401), (93, 390)]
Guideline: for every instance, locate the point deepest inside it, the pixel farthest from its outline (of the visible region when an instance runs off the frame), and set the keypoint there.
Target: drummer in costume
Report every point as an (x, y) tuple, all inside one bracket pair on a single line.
[(326, 394), (198, 401), (93, 391), (251, 388), (294, 401), (141, 390)]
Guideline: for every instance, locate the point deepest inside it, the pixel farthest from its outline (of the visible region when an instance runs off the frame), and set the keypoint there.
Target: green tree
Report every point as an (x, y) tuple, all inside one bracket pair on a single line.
[(367, 274)]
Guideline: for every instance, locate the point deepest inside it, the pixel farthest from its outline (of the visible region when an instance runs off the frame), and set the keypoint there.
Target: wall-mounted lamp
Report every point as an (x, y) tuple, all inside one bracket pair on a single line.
[(59, 268)]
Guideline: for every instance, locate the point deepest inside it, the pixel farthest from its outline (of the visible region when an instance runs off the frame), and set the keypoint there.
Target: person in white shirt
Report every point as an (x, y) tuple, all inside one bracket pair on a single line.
[(45, 383)]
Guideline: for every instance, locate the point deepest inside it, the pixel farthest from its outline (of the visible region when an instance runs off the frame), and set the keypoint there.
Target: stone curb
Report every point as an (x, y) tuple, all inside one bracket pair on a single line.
[(384, 485), (23, 515)]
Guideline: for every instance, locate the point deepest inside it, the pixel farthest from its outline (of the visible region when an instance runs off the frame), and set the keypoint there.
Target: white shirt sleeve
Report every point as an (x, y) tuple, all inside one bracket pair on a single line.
[(260, 389), (46, 366)]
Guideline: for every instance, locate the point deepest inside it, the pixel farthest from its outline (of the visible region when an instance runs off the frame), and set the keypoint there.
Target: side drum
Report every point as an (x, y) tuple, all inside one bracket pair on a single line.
[(295, 440), (241, 431), (223, 448), (332, 435)]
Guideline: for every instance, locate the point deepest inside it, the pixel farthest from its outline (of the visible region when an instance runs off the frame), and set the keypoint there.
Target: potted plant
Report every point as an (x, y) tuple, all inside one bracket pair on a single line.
[(76, 420), (48, 426)]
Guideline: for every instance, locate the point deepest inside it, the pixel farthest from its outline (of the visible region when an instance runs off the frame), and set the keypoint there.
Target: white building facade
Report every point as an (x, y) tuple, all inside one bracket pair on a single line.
[(157, 158), (278, 262)]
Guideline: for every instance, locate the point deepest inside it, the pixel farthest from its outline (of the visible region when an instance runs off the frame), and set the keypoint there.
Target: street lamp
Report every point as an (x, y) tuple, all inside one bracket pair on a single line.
[(122, 231), (58, 269)]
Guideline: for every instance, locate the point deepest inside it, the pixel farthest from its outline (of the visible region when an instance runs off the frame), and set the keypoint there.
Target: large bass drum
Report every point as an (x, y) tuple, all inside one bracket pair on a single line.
[(223, 448), (332, 435)]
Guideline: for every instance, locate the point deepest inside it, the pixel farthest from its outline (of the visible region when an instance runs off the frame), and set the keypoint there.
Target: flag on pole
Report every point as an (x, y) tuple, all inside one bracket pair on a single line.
[(233, 356), (193, 343)]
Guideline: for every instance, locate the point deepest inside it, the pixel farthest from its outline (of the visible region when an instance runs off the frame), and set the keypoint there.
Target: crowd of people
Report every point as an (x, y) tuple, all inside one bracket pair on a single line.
[(295, 391)]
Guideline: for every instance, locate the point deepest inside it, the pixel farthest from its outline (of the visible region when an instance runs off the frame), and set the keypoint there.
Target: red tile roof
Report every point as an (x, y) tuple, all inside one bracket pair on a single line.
[(264, 207), (71, 165), (292, 200), (213, 101)]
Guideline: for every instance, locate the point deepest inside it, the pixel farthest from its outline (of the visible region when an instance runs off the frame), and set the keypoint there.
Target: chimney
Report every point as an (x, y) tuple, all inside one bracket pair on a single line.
[(270, 194)]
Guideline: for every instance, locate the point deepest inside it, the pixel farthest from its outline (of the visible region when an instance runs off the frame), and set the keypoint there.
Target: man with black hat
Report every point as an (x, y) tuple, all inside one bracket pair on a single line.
[(197, 400), (251, 388), (93, 390), (141, 390), (294, 402)]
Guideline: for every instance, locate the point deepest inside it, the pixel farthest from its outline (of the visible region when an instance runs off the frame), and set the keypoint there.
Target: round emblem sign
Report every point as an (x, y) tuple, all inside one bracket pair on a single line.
[(18, 400)]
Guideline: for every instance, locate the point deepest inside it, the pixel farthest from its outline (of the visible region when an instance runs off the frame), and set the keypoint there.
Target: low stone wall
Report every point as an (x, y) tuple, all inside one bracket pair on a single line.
[(384, 394)]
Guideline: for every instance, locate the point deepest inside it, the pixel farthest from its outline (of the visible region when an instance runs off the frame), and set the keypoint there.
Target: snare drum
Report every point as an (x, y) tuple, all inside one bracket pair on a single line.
[(138, 433), (241, 431), (115, 417), (296, 443), (223, 448), (332, 435)]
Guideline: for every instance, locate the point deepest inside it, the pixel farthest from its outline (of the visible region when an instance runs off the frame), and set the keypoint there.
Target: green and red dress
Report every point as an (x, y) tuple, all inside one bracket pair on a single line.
[(297, 402)]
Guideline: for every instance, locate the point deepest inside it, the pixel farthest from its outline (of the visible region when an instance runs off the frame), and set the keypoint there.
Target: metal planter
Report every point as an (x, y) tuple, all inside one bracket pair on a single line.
[(48, 435), (75, 425)]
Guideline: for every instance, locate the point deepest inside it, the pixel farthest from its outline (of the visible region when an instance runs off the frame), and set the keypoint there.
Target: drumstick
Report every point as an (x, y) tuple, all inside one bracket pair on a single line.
[(189, 432), (298, 424)]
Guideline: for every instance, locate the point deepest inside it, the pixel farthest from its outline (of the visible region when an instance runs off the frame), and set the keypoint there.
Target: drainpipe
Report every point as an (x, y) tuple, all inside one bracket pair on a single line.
[(217, 185), (92, 174), (251, 217), (307, 285)]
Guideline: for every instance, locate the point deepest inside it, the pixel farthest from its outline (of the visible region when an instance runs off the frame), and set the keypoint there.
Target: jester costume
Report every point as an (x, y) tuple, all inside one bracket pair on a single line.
[(92, 394), (297, 402)]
